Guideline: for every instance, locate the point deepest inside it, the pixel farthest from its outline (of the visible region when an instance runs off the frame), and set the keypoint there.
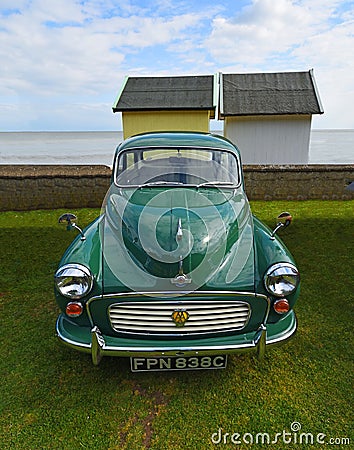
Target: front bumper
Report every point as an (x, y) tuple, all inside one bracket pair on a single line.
[(92, 341)]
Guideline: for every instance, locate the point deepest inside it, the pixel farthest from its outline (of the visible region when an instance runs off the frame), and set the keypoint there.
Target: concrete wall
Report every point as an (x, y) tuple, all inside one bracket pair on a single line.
[(51, 187)]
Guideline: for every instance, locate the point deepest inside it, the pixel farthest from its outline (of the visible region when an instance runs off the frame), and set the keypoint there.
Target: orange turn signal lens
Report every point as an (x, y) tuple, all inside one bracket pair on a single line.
[(74, 309), (281, 306)]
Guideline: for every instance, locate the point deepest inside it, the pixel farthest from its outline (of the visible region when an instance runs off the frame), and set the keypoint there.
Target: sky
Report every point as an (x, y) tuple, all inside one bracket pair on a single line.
[(63, 62)]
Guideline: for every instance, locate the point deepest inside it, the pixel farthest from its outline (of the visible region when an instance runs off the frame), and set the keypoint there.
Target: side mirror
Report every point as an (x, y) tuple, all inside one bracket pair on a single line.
[(70, 219), (284, 220)]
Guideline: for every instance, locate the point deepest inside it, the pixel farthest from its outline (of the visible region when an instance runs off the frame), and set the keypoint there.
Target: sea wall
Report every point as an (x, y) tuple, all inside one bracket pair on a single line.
[(295, 182), (29, 187), (26, 187)]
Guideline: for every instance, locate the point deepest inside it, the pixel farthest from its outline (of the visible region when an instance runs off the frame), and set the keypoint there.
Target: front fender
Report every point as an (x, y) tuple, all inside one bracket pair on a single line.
[(268, 252)]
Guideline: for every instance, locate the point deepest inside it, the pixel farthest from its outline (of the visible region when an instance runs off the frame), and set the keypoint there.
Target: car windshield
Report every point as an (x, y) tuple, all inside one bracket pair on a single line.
[(177, 166)]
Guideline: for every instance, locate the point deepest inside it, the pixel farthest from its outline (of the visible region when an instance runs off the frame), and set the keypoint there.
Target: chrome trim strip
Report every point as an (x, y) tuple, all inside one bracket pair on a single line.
[(172, 294), (179, 234)]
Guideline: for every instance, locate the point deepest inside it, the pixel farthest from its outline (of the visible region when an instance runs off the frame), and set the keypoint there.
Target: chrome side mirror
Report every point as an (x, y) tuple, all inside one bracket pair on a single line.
[(70, 219), (284, 220)]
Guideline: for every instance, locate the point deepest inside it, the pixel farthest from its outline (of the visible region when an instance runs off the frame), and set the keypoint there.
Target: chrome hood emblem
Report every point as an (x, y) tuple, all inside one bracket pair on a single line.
[(181, 280)]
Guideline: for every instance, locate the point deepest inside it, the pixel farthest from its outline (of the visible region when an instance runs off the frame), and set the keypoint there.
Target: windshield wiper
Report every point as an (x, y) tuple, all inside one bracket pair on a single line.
[(159, 183), (215, 183)]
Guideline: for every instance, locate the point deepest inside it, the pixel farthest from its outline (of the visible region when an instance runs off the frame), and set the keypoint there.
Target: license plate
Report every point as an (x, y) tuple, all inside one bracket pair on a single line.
[(166, 363)]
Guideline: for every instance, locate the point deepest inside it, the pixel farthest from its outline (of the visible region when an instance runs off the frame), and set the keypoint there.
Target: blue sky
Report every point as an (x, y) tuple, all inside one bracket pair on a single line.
[(64, 61)]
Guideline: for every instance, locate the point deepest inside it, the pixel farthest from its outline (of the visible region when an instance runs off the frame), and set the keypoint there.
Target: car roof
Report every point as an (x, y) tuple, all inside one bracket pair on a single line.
[(178, 139)]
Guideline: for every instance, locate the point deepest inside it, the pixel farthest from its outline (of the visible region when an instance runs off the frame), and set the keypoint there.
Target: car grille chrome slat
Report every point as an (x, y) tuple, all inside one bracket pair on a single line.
[(155, 318)]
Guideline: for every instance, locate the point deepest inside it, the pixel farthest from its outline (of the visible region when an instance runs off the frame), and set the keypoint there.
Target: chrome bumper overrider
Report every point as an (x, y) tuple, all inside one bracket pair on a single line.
[(92, 341)]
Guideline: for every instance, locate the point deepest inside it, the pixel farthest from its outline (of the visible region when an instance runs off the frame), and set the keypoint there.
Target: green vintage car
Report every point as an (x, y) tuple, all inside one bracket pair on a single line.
[(176, 273)]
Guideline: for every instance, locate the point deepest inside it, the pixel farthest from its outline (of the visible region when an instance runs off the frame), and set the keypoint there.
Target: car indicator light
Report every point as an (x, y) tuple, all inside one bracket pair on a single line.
[(281, 306), (74, 309)]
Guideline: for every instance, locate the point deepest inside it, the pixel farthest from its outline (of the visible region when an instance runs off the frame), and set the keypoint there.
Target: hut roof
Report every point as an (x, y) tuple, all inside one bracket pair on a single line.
[(269, 93), (166, 93)]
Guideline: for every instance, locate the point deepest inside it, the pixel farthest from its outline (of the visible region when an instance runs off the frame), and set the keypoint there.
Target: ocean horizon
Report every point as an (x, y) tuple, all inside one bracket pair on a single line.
[(97, 147)]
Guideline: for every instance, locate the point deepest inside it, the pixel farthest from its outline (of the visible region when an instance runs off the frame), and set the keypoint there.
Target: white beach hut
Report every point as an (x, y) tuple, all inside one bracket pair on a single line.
[(268, 115)]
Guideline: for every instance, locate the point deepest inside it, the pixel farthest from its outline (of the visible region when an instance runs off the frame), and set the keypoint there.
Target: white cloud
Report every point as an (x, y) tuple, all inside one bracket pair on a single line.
[(261, 30), (70, 52), (54, 51), (293, 35)]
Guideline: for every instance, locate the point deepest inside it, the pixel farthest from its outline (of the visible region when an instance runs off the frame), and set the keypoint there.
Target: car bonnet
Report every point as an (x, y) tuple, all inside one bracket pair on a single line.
[(177, 239)]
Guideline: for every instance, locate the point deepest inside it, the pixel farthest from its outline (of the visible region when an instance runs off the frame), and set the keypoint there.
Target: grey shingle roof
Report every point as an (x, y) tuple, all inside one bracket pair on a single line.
[(269, 93), (166, 93)]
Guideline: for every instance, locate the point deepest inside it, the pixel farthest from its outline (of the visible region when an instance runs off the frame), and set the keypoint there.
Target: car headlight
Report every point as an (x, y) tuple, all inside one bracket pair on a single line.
[(73, 280), (281, 279)]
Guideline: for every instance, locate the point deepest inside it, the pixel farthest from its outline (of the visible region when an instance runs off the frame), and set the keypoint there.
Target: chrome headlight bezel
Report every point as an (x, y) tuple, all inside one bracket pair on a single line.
[(281, 279), (76, 275)]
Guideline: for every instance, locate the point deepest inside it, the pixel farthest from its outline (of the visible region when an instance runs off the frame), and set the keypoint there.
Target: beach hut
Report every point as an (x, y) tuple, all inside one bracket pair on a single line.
[(166, 103), (268, 115)]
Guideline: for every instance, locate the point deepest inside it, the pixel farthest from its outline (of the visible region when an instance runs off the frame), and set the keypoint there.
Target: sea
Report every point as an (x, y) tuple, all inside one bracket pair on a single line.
[(97, 147)]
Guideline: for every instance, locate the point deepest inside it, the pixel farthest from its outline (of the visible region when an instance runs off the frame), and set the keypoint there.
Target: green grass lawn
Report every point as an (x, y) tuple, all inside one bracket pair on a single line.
[(52, 397)]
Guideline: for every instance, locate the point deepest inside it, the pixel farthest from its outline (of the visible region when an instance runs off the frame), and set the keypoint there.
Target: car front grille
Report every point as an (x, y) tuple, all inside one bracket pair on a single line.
[(178, 318)]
